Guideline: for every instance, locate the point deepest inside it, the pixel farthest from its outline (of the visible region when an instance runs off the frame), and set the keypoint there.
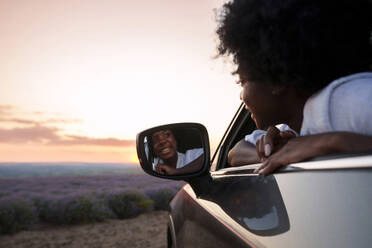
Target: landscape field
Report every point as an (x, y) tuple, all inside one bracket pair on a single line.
[(33, 196)]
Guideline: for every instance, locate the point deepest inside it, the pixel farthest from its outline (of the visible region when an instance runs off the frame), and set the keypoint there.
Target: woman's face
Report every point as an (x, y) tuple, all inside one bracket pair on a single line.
[(164, 143), (261, 101)]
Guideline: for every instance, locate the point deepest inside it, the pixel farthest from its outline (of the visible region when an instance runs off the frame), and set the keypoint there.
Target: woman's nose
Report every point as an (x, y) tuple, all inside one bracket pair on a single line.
[(241, 95)]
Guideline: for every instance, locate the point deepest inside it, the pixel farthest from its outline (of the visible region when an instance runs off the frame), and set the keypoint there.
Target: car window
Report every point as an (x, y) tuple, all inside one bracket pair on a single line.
[(241, 126)]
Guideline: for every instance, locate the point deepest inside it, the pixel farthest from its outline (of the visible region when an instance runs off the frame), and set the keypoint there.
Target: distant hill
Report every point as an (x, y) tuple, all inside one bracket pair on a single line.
[(19, 170)]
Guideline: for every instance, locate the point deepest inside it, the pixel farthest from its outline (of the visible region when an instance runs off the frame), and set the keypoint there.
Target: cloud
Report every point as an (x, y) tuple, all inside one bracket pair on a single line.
[(5, 109), (44, 132), (61, 121), (7, 113), (34, 134), (49, 136), (19, 121), (81, 140), (44, 122)]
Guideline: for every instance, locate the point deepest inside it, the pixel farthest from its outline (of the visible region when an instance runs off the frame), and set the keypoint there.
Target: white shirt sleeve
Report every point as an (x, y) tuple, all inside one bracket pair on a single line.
[(351, 107), (344, 105), (257, 134), (188, 157)]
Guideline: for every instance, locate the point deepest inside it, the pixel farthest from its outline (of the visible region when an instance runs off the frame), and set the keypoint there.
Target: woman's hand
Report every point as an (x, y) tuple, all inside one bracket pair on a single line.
[(272, 141), (305, 147), (295, 150), (165, 169)]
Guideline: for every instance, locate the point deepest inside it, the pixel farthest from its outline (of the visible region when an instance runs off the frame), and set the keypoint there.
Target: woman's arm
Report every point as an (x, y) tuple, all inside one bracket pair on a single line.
[(266, 143), (243, 153), (305, 147), (191, 167)]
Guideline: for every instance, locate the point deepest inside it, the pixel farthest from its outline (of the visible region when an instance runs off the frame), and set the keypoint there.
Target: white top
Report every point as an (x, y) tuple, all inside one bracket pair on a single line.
[(188, 157), (344, 105), (183, 158), (258, 133)]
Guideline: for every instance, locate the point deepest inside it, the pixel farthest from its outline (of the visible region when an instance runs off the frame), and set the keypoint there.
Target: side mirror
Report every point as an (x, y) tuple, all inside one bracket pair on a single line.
[(175, 151)]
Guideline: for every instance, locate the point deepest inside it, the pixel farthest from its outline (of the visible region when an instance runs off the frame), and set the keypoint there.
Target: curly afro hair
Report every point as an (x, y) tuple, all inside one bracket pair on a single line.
[(300, 43)]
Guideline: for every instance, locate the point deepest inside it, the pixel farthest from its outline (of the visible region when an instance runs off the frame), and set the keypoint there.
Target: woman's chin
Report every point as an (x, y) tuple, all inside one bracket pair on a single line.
[(258, 124), (167, 156)]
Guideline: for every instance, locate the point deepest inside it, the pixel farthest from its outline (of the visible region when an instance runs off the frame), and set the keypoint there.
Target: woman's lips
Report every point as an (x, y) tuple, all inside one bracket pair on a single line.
[(248, 109), (254, 119), (165, 151)]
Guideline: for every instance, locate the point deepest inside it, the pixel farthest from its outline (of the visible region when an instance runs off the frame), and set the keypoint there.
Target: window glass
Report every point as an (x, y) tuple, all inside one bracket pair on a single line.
[(242, 126)]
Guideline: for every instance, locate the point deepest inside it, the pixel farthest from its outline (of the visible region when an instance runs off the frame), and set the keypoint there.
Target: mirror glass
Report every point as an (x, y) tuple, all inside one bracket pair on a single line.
[(174, 151)]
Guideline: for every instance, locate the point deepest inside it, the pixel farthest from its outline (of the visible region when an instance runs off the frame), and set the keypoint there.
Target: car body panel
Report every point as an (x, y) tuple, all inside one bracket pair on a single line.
[(318, 208), (197, 225)]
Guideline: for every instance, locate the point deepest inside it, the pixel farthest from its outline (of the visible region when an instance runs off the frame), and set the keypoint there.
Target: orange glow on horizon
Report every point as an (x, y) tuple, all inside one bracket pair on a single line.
[(42, 153), (134, 159)]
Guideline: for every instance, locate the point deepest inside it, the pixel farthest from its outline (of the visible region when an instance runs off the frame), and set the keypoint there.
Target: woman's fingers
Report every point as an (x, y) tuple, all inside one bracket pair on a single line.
[(295, 150), (160, 169), (266, 145), (260, 147), (271, 164), (271, 134), (165, 169), (287, 135)]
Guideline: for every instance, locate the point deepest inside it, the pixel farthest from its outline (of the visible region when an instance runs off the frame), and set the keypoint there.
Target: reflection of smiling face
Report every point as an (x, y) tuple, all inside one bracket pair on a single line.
[(164, 143)]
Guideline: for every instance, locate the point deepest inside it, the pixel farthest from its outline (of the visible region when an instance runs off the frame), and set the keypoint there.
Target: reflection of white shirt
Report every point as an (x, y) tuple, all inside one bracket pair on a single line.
[(188, 157), (183, 158)]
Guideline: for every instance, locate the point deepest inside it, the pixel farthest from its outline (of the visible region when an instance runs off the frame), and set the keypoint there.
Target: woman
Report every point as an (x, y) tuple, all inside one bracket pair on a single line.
[(168, 160), (305, 63)]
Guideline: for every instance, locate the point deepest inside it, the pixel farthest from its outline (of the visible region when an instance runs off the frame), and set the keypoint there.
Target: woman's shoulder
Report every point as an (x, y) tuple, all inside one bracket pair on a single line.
[(195, 151), (345, 86), (336, 106), (350, 106)]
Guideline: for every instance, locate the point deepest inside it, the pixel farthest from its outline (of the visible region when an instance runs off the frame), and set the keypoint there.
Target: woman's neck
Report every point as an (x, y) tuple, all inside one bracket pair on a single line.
[(295, 113)]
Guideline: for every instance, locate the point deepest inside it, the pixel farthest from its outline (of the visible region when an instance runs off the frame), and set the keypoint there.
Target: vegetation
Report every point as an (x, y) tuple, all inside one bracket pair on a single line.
[(70, 200)]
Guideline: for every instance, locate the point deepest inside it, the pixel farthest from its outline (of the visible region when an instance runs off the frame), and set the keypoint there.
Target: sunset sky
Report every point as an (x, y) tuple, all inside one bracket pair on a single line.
[(80, 78)]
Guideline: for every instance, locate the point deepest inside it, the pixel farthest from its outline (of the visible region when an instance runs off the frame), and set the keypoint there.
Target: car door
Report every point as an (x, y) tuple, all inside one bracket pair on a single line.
[(321, 203), (234, 208)]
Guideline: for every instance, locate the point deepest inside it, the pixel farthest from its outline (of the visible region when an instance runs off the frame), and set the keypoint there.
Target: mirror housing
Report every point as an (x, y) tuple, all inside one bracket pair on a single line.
[(189, 141)]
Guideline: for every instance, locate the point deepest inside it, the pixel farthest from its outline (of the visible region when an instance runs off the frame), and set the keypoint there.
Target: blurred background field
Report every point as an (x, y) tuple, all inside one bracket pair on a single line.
[(32, 195), (17, 170)]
